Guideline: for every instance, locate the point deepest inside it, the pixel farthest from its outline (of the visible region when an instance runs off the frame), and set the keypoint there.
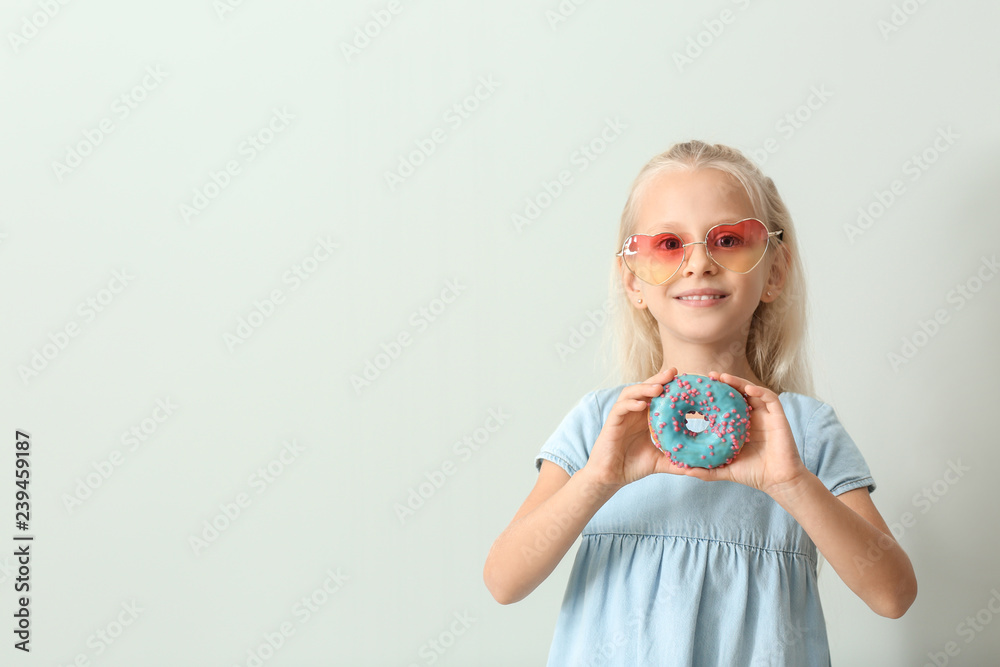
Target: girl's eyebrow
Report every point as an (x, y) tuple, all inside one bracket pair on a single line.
[(719, 221), (671, 226)]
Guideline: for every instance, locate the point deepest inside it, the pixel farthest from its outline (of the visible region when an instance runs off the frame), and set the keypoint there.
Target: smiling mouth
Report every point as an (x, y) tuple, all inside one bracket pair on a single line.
[(704, 297)]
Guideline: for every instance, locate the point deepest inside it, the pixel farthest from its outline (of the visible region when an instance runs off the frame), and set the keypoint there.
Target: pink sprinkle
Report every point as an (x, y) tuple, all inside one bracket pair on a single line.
[(702, 456), (731, 395), (656, 414), (699, 379)]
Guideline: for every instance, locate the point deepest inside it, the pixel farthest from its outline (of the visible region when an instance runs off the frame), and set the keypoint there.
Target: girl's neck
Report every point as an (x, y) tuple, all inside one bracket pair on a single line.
[(700, 361)]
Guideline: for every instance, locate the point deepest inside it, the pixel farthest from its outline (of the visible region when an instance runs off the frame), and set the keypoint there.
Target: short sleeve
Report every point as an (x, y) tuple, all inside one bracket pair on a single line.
[(832, 455), (569, 446)]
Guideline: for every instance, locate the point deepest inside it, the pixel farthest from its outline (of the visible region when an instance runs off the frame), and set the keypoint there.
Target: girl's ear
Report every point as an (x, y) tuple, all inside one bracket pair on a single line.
[(631, 285), (779, 271)]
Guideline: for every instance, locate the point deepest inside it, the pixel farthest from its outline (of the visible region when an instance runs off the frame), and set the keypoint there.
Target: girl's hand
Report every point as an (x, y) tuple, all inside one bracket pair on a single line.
[(624, 450), (769, 459)]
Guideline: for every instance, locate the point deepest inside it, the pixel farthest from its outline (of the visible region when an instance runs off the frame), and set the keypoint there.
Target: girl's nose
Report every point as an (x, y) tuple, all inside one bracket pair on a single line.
[(698, 260)]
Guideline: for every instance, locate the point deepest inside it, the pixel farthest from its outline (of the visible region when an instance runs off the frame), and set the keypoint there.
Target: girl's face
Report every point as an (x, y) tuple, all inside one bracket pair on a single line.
[(689, 203)]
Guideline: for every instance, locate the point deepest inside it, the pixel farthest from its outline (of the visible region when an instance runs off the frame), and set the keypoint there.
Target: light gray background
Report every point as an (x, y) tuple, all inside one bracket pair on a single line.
[(524, 293)]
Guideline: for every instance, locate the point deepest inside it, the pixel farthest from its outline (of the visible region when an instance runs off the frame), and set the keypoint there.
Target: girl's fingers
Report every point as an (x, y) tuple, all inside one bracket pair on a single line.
[(703, 474), (760, 397), (663, 376), (708, 475), (636, 397), (734, 381), (651, 388), (621, 409)]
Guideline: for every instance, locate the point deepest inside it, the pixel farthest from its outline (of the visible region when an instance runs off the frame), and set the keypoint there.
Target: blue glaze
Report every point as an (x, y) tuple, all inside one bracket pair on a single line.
[(722, 406)]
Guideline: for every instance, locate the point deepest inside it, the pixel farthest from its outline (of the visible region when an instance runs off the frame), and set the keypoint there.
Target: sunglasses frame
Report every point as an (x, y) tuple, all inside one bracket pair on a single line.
[(621, 253)]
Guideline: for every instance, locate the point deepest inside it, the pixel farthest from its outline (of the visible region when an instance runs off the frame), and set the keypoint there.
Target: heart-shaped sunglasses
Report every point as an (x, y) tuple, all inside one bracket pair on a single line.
[(735, 246)]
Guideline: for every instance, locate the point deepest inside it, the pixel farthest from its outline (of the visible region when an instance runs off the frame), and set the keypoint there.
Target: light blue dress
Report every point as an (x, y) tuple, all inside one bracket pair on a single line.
[(673, 570)]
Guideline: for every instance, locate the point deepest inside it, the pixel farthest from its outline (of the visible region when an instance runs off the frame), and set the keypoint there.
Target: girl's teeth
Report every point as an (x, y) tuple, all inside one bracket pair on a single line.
[(701, 298)]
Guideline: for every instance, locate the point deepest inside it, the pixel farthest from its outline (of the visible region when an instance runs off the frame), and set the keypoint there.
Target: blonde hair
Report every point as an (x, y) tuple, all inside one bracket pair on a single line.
[(776, 334)]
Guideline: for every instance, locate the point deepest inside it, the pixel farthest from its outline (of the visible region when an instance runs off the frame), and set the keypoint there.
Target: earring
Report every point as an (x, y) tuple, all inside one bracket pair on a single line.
[(769, 294), (640, 300)]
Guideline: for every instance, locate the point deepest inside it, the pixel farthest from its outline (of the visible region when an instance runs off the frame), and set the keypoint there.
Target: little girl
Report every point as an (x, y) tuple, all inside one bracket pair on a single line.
[(702, 566)]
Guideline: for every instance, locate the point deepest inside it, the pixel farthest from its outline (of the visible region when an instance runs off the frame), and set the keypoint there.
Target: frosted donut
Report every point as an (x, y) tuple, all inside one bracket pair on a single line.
[(699, 422)]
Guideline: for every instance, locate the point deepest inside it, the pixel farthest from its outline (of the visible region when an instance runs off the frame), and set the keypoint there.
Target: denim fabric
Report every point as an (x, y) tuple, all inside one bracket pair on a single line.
[(675, 571)]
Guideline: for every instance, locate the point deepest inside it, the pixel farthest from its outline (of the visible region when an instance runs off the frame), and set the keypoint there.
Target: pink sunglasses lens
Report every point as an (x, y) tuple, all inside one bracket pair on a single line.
[(737, 247), (653, 258)]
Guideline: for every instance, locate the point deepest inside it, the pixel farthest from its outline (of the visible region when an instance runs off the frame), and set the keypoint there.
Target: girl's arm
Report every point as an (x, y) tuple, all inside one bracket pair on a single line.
[(558, 508), (542, 531), (847, 529), (851, 534)]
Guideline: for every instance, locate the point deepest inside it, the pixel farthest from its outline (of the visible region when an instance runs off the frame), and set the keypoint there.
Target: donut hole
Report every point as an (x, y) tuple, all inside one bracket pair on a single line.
[(695, 421)]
